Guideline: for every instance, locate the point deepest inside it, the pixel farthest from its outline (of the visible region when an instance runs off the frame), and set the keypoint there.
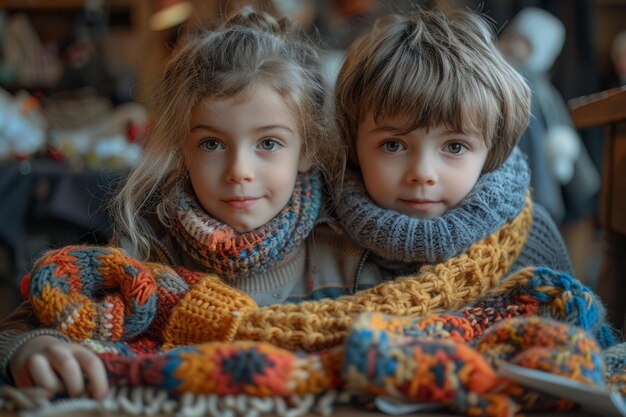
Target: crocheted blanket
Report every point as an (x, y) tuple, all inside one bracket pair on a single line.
[(130, 314)]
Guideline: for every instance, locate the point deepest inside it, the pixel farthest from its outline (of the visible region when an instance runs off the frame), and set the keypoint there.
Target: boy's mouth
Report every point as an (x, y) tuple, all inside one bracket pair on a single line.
[(422, 205)]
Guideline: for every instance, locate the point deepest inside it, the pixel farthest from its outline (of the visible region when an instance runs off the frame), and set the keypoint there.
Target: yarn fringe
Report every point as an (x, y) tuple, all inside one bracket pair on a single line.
[(140, 401)]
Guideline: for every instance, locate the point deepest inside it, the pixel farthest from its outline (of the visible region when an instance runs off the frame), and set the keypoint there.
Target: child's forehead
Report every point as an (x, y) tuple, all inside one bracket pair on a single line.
[(405, 121), (254, 91)]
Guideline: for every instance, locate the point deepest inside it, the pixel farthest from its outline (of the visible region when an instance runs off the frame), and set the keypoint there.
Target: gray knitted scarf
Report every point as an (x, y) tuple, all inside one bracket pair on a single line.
[(497, 197)]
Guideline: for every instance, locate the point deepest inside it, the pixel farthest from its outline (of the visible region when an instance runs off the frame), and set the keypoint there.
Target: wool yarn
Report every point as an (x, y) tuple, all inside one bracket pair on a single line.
[(448, 285), (210, 310), (397, 238), (224, 251), (449, 358), (615, 361), (306, 326), (63, 286)]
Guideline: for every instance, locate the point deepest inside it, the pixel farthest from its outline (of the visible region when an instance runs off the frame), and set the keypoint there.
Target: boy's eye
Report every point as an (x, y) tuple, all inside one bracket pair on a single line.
[(211, 144), (269, 145), (392, 146), (455, 148)]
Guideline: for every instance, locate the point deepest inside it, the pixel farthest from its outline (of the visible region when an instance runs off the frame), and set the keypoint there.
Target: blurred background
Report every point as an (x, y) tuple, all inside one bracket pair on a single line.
[(75, 79)]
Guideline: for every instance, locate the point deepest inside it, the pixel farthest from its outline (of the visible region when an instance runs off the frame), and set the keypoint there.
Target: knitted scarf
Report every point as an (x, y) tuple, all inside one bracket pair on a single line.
[(222, 250), (538, 319), (449, 285), (437, 336), (63, 285), (497, 197)]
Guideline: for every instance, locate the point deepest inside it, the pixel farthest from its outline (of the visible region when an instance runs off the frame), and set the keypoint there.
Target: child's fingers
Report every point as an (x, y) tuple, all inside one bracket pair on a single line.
[(21, 376), (42, 374), (66, 366), (94, 371)]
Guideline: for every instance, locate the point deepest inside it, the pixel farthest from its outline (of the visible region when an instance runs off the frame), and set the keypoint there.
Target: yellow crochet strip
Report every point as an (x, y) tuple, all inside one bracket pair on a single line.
[(211, 310), (315, 325)]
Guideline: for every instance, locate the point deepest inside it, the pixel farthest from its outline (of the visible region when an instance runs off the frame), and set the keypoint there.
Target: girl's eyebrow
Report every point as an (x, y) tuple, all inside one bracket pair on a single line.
[(206, 127), (259, 129), (272, 127)]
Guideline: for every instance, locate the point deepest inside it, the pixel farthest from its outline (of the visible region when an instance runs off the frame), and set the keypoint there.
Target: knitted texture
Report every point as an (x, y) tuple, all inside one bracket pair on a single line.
[(545, 245), (615, 360), (223, 251), (138, 296), (430, 366), (215, 311), (448, 285), (63, 285), (209, 311), (538, 318), (497, 197)]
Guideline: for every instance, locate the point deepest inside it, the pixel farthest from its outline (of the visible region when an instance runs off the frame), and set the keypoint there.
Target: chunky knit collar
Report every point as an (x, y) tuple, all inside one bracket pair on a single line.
[(394, 237), (233, 255)]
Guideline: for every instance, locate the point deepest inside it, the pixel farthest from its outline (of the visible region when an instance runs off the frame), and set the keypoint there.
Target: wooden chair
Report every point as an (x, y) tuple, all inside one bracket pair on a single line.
[(608, 109)]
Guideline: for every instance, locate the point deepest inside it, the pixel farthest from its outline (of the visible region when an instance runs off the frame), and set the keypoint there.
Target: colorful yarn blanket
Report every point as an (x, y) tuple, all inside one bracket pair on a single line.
[(537, 318)]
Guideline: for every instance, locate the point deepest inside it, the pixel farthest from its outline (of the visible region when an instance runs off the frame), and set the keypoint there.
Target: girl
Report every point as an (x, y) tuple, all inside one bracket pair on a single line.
[(229, 184)]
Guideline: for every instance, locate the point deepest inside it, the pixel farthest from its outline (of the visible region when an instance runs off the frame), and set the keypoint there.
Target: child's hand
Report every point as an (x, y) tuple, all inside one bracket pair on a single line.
[(57, 366)]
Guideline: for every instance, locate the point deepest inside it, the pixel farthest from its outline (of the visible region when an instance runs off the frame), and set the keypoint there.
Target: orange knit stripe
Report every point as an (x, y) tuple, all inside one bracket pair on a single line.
[(65, 265), (75, 315)]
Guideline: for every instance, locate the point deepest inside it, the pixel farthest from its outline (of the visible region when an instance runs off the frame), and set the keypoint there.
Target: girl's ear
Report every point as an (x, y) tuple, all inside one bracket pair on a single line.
[(304, 165)]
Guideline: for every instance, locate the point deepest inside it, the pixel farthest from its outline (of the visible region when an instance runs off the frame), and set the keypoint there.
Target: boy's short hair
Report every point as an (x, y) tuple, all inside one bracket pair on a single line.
[(433, 68)]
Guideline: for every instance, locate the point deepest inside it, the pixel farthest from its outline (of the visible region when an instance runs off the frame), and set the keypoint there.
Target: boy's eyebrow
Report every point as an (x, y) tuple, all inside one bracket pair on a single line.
[(398, 130), (386, 128), (466, 132)]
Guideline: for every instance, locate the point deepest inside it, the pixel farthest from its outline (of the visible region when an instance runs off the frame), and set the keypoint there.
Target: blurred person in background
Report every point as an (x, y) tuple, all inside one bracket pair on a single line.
[(561, 167)]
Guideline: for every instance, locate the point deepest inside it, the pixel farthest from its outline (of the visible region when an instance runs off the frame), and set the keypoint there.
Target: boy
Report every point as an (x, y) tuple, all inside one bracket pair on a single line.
[(429, 111)]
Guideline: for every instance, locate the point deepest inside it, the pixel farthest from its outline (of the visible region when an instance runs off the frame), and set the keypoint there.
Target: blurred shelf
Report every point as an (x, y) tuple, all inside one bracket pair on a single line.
[(46, 5)]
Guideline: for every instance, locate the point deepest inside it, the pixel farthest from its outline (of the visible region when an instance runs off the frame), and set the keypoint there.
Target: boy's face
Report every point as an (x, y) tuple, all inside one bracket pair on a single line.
[(422, 173), (243, 156)]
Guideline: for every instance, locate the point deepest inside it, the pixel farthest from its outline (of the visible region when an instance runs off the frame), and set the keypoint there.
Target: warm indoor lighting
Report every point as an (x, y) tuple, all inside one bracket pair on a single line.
[(169, 13)]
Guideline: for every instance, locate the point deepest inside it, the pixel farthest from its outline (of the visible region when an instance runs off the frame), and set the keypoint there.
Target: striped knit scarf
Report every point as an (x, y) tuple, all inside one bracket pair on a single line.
[(227, 253)]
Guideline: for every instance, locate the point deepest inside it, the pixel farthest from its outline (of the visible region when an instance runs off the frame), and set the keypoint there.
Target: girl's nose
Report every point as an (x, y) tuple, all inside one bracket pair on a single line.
[(240, 168)]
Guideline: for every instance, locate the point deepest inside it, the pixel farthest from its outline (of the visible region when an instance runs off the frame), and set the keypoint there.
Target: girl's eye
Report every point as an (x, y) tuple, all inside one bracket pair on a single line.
[(455, 148), (269, 145), (211, 144), (392, 146)]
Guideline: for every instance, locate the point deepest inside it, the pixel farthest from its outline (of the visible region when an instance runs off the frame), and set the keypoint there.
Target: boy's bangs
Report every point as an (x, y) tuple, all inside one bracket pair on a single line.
[(426, 96)]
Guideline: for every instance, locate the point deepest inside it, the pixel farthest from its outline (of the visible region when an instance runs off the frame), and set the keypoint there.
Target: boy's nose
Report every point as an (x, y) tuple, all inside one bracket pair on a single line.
[(421, 172)]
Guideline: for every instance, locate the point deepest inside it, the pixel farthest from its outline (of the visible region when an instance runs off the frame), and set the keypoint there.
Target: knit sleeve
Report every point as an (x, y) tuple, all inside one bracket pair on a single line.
[(545, 245), (21, 326), (23, 318)]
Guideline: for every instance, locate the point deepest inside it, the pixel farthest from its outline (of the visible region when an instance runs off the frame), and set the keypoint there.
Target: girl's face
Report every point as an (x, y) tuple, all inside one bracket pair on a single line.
[(422, 173), (243, 156)]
